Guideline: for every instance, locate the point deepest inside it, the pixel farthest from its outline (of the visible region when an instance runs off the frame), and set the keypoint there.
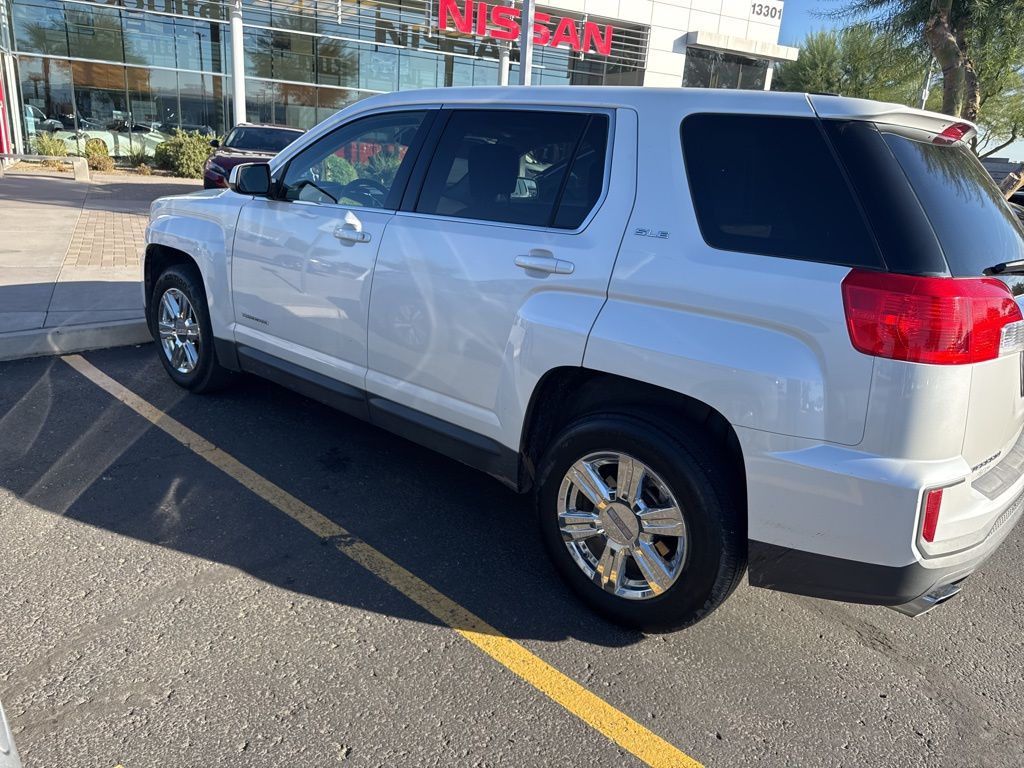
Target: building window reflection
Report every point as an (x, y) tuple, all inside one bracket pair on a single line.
[(135, 70), (47, 96), (94, 32), (717, 69), (39, 28)]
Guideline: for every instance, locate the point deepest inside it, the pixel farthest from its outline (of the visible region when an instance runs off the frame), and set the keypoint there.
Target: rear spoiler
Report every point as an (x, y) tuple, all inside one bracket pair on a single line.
[(952, 128)]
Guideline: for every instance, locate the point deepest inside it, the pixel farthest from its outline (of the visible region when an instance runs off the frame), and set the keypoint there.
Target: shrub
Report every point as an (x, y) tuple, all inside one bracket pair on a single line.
[(382, 168), (50, 145), (143, 169), (183, 154), (101, 163), (162, 156), (137, 157), (340, 170), (98, 156)]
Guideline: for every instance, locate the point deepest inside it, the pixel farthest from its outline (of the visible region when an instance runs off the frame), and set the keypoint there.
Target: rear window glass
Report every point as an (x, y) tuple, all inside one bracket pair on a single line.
[(771, 186), (975, 227), (261, 139)]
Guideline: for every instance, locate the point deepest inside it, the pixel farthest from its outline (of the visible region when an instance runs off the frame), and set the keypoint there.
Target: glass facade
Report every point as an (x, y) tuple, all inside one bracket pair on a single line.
[(718, 69), (131, 71), (126, 77)]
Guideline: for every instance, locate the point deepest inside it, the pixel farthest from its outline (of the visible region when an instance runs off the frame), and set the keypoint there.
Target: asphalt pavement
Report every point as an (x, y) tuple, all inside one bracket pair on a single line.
[(157, 612)]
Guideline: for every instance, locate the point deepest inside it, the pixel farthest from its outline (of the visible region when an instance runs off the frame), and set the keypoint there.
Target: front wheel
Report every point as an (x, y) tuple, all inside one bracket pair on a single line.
[(641, 522), (180, 323)]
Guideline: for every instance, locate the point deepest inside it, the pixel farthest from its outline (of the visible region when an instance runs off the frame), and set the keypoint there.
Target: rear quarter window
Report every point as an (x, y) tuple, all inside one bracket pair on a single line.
[(772, 186)]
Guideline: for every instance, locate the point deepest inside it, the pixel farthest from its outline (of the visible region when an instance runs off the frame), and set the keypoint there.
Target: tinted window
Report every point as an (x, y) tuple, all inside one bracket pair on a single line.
[(900, 225), (972, 221), (586, 176), (771, 185), (364, 163), (509, 166), (261, 139)]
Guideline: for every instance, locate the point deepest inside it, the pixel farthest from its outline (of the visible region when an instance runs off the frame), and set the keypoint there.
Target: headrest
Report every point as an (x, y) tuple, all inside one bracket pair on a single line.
[(493, 170)]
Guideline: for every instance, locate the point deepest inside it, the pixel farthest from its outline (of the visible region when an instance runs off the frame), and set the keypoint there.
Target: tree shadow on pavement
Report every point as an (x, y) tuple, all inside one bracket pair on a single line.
[(71, 449)]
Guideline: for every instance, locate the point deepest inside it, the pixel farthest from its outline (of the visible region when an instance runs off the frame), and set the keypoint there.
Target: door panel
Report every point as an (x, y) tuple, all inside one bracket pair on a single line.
[(297, 281), (303, 261), (459, 304)]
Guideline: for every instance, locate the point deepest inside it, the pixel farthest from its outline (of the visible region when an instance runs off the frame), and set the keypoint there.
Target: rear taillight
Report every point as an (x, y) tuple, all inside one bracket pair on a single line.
[(937, 320), (932, 504)]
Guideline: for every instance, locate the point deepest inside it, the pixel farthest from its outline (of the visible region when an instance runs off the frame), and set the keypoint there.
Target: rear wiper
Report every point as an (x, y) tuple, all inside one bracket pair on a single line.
[(1006, 268)]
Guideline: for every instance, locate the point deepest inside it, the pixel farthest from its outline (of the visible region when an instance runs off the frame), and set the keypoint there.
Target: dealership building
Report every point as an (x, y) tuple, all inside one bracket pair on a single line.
[(131, 71)]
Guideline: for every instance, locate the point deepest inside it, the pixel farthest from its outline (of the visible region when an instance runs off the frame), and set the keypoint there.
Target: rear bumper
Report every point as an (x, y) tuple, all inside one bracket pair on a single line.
[(832, 578), (912, 588)]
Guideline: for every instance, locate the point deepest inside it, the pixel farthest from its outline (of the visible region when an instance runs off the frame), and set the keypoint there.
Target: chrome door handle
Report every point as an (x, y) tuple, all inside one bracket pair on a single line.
[(547, 264), (349, 235)]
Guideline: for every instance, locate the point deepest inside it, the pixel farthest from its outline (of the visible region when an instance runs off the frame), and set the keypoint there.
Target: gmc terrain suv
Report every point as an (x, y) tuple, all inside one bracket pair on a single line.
[(710, 331)]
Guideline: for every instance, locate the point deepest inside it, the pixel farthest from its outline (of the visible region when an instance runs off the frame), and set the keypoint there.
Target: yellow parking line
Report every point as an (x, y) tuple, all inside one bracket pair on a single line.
[(591, 709)]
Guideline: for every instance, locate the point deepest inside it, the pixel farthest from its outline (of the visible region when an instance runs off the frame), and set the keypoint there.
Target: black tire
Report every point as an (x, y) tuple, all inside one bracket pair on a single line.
[(208, 375), (708, 493)]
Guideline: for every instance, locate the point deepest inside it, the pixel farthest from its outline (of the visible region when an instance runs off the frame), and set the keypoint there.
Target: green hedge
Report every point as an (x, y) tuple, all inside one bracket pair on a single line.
[(184, 154), (48, 144), (98, 156)]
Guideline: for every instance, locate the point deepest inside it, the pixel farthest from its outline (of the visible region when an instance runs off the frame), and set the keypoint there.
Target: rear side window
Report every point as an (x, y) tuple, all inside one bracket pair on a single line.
[(517, 167), (975, 227), (772, 186)]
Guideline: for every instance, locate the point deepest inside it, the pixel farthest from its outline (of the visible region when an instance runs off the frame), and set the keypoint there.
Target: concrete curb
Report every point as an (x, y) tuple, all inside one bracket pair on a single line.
[(66, 339)]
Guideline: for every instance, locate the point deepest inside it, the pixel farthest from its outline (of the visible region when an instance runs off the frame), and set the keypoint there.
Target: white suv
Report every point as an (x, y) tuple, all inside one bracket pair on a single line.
[(709, 330)]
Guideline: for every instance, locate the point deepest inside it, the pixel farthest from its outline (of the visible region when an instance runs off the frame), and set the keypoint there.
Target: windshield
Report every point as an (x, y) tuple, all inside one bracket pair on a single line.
[(261, 139), (972, 221)]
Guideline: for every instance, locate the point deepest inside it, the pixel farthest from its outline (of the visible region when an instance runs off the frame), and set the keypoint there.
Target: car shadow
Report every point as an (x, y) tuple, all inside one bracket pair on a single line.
[(71, 449)]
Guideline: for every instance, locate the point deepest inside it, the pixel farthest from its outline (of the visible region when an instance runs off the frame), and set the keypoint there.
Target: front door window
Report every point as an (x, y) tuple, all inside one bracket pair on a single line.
[(362, 164)]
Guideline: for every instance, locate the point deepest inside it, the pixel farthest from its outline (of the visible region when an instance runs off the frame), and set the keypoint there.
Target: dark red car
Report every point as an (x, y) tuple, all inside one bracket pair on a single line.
[(245, 143)]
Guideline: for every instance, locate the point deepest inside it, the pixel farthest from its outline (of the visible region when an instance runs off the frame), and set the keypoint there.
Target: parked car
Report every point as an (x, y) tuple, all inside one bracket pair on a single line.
[(244, 144), (821, 385)]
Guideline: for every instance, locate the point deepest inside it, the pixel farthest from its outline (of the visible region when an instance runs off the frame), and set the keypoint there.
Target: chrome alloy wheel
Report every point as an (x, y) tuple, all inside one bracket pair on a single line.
[(622, 525), (179, 331)]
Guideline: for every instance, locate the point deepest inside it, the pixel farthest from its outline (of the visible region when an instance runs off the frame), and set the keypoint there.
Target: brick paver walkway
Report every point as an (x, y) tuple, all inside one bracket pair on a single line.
[(70, 251), (107, 239)]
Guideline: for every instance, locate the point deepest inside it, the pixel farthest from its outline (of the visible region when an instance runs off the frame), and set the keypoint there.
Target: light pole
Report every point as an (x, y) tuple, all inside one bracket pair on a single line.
[(238, 62), (526, 43), (504, 56), (926, 87)]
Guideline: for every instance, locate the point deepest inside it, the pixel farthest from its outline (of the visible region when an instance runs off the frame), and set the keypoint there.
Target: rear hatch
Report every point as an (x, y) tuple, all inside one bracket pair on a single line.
[(977, 232), (937, 213)]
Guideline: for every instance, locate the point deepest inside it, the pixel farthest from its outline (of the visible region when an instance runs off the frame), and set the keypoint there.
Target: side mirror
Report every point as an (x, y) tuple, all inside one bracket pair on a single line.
[(250, 179), (214, 143)]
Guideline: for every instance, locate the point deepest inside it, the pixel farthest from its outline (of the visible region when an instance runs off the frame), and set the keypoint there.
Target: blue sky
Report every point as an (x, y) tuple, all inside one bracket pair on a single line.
[(797, 19)]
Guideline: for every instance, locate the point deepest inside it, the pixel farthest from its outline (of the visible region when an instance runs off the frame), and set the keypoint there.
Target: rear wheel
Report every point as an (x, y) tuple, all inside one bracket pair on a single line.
[(180, 323), (640, 521)]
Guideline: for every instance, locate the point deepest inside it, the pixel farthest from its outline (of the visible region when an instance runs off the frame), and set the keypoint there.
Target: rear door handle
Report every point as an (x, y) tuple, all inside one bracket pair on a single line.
[(348, 234), (547, 264)]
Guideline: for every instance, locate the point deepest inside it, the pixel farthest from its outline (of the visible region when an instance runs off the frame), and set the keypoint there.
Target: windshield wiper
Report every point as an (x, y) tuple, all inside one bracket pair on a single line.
[(1006, 268)]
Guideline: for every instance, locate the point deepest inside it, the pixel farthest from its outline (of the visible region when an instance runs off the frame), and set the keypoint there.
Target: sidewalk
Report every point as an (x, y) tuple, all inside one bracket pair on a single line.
[(69, 260)]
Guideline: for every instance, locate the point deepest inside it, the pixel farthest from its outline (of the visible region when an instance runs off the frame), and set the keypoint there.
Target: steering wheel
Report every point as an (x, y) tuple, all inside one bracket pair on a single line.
[(368, 192)]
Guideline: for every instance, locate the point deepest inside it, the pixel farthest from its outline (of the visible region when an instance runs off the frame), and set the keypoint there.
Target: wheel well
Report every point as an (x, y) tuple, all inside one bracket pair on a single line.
[(566, 394), (158, 259)]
